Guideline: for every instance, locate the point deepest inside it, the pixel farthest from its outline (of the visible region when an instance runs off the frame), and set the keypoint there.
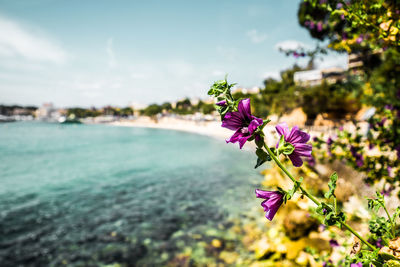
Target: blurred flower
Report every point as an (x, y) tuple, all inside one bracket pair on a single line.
[(298, 139), (389, 107), (273, 200), (390, 172), (382, 122), (371, 146), (221, 103), (359, 157), (311, 161), (333, 243), (312, 25), (339, 5), (358, 264), (295, 54), (360, 39), (379, 243), (319, 26), (342, 17), (242, 122)]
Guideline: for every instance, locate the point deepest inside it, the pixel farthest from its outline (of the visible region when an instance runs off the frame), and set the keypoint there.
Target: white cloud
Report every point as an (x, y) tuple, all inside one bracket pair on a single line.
[(18, 41), (112, 62), (256, 37), (290, 45)]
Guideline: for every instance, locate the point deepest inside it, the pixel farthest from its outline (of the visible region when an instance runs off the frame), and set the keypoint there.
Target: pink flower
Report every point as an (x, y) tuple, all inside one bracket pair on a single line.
[(298, 139), (273, 200), (242, 122)]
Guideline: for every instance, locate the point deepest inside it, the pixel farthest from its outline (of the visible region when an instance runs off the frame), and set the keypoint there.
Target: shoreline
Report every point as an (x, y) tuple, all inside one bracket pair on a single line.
[(207, 128)]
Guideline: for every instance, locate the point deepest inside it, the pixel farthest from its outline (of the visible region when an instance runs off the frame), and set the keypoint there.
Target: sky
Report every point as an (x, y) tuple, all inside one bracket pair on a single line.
[(103, 52)]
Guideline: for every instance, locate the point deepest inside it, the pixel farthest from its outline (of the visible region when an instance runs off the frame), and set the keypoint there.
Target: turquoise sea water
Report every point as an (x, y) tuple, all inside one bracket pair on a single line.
[(87, 195)]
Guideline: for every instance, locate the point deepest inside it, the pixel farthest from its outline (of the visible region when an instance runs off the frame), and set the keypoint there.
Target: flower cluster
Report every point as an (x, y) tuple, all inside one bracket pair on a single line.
[(293, 143)]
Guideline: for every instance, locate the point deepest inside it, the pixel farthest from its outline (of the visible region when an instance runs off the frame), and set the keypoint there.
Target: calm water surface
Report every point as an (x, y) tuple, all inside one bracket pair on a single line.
[(88, 195)]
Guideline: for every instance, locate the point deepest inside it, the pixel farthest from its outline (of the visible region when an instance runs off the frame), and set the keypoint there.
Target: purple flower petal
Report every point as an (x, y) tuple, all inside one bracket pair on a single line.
[(221, 103), (297, 136), (232, 121), (295, 159), (244, 109), (235, 137), (303, 149), (282, 129), (254, 124), (292, 134), (273, 200)]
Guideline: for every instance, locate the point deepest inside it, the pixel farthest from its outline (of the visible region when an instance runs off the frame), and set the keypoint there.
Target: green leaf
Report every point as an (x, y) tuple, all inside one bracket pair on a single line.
[(262, 157), (332, 186), (296, 186)]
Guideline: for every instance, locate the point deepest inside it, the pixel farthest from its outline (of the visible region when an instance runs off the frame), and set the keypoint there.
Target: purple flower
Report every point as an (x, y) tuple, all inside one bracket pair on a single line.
[(273, 200), (298, 139), (319, 26), (329, 142), (342, 17), (371, 146), (339, 5), (360, 39), (389, 107), (382, 122), (311, 161), (333, 243), (321, 227), (359, 157), (358, 264), (221, 103), (242, 122), (312, 25), (295, 54), (379, 243)]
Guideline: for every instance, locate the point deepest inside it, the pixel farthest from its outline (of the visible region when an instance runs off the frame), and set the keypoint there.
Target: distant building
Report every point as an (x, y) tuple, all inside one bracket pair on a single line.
[(245, 91), (47, 112), (315, 77), (308, 77)]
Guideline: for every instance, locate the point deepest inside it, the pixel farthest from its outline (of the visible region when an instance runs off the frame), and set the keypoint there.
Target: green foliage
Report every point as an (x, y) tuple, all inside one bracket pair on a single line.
[(83, 113), (379, 226), (332, 186), (151, 110)]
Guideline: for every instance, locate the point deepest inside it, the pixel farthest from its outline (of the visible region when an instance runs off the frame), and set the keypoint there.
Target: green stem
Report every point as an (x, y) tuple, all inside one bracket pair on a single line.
[(390, 220), (357, 235), (311, 197), (303, 190)]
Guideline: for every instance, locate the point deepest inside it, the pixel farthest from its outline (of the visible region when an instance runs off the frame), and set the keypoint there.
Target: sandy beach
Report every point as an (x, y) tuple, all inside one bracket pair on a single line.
[(208, 128)]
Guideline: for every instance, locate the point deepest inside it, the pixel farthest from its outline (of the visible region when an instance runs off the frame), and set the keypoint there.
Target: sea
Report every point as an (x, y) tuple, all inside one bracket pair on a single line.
[(97, 195)]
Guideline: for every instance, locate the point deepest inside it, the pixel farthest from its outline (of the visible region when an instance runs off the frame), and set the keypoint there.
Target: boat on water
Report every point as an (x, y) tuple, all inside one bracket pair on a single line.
[(71, 119)]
